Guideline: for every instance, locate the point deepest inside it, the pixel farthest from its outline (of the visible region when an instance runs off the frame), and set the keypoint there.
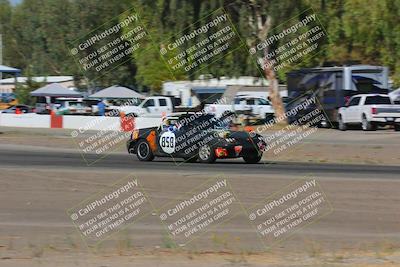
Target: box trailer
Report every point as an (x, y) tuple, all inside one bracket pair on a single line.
[(333, 86)]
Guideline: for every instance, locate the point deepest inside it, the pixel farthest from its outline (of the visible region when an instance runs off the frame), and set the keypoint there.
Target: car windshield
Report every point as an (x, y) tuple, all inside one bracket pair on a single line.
[(168, 122), (76, 104), (237, 101), (202, 122), (262, 101)]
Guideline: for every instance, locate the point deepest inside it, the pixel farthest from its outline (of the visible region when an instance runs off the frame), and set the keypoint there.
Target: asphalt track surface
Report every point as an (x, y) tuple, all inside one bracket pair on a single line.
[(39, 184), (124, 162)]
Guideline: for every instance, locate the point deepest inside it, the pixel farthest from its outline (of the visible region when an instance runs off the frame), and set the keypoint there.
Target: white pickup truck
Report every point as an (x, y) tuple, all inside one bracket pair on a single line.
[(369, 111), (259, 108), (154, 105)]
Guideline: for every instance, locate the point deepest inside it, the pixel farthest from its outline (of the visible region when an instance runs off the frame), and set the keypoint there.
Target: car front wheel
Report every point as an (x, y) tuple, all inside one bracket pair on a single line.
[(144, 152), (206, 154)]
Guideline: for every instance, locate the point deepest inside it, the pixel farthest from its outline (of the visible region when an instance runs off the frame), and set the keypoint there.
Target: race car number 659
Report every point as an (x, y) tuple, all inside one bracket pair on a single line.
[(167, 142)]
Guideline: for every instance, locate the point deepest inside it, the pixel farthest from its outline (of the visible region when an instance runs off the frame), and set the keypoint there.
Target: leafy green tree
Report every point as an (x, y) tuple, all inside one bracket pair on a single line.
[(156, 18), (22, 91), (40, 32), (42, 36), (5, 30)]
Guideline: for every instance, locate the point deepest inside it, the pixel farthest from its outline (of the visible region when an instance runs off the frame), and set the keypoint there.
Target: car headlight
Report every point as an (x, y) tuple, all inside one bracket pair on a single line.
[(135, 134)]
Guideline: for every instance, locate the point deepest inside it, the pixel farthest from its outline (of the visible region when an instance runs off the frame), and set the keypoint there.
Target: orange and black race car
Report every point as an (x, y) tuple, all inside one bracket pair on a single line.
[(195, 137)]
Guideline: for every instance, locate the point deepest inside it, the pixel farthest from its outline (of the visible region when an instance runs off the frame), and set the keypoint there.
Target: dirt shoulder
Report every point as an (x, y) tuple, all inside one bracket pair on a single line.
[(47, 257)]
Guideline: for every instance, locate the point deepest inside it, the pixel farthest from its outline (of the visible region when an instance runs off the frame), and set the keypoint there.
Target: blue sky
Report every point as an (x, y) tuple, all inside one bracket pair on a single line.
[(14, 1)]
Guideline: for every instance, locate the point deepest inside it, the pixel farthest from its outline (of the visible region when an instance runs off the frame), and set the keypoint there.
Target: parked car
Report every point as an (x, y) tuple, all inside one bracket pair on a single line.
[(22, 108), (256, 108), (72, 106), (44, 104), (369, 111), (154, 105)]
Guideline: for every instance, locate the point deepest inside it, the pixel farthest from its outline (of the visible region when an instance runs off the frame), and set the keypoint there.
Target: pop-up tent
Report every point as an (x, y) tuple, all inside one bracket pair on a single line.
[(6, 69), (55, 90), (9, 70), (117, 92)]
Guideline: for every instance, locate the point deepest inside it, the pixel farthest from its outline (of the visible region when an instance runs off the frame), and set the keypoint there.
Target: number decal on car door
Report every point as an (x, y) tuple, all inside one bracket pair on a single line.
[(167, 142)]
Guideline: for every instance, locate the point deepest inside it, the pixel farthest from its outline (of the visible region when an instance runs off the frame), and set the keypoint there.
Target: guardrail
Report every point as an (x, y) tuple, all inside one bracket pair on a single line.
[(32, 120)]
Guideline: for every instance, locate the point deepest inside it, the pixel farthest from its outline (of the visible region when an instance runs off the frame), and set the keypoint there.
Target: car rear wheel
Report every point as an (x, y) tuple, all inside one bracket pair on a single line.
[(252, 158), (342, 126), (144, 152), (269, 117), (206, 154), (367, 125), (397, 127)]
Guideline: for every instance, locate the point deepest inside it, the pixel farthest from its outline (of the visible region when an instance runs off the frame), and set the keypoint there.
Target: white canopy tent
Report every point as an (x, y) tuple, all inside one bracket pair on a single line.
[(55, 90), (117, 92)]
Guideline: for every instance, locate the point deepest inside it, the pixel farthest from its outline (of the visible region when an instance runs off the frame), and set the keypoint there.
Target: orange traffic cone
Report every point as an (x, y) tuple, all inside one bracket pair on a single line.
[(18, 111)]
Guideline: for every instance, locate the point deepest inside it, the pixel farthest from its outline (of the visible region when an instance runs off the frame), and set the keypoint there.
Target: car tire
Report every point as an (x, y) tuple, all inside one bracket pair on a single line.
[(341, 125), (206, 154), (253, 158), (367, 125), (143, 151), (269, 117), (397, 127)]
